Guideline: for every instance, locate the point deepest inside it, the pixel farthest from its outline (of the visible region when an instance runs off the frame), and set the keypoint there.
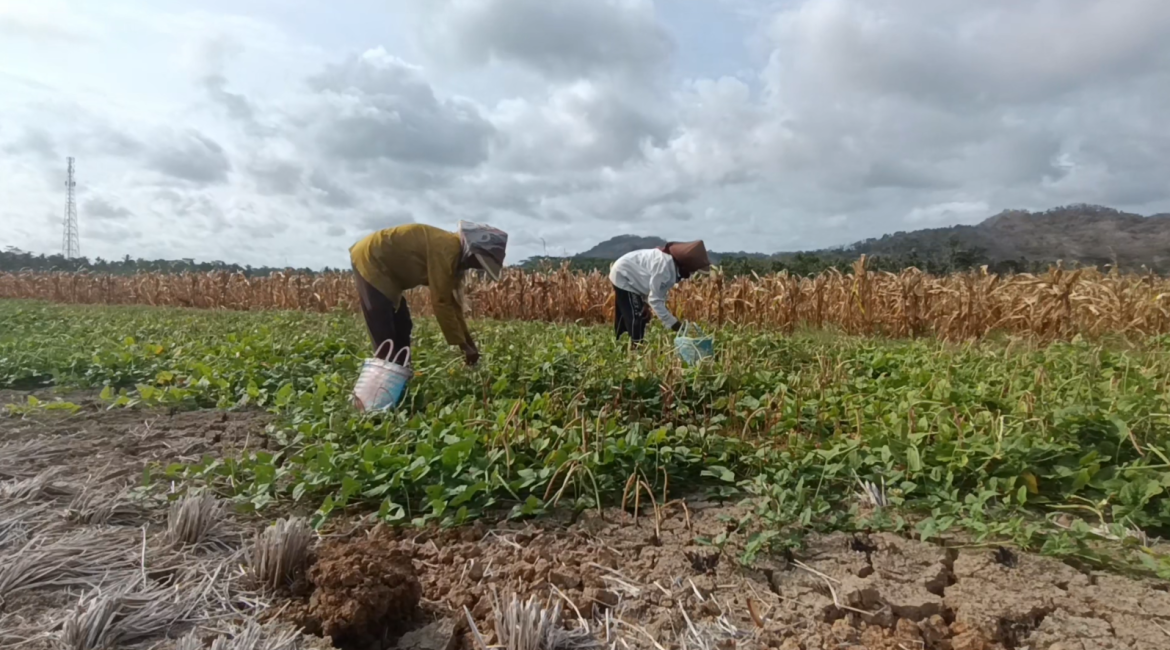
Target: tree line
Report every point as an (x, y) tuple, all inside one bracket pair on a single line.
[(952, 258), (14, 260), (939, 262)]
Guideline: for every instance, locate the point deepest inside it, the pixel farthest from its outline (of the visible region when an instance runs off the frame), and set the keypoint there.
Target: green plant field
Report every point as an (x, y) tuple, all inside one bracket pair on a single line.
[(1063, 449)]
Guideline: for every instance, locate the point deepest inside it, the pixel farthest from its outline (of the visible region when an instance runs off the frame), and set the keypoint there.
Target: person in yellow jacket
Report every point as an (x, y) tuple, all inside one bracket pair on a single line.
[(391, 261)]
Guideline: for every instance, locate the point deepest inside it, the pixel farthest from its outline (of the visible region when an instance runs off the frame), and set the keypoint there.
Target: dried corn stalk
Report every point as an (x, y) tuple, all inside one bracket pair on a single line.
[(1058, 304)]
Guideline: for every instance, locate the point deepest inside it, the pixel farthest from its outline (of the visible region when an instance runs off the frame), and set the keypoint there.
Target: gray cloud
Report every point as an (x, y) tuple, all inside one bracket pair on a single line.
[(903, 175), (495, 191), (191, 207), (666, 212), (102, 140), (111, 232), (276, 176), (257, 218), (328, 192), (211, 55), (190, 156), (971, 56), (103, 209), (34, 141), (566, 39), (376, 107), (584, 125), (373, 221), (238, 107), (58, 126)]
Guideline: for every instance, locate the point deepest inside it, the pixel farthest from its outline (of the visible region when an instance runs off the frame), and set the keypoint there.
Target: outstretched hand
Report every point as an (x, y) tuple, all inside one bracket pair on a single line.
[(470, 353), (678, 325)]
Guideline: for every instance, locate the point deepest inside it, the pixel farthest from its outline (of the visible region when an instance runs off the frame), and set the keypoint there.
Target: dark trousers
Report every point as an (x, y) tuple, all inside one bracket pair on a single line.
[(385, 322), (631, 313)]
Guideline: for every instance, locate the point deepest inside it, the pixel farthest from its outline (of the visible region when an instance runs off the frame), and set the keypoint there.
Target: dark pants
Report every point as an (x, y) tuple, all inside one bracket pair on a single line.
[(630, 315), (382, 319)]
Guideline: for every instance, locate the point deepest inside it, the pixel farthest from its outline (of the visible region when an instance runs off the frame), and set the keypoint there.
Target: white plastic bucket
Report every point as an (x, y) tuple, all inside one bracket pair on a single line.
[(382, 382)]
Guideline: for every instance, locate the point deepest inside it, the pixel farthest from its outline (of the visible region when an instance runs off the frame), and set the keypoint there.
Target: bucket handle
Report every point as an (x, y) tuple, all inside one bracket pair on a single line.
[(378, 351), (405, 349), (688, 326)]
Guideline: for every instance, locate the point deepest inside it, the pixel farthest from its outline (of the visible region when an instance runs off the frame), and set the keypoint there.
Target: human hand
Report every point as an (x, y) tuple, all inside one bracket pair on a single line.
[(678, 325), (470, 353)]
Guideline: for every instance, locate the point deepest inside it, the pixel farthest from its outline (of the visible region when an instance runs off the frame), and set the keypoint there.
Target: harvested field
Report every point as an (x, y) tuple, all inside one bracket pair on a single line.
[(639, 583), (91, 560)]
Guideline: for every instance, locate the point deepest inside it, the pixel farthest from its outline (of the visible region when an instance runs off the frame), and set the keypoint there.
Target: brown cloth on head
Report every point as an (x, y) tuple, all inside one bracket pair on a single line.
[(690, 257)]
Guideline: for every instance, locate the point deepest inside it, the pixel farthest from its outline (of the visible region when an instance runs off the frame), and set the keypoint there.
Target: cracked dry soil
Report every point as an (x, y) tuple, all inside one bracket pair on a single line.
[(843, 592)]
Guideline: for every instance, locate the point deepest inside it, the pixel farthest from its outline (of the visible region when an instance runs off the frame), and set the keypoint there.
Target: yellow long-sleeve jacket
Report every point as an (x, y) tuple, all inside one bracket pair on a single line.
[(404, 257)]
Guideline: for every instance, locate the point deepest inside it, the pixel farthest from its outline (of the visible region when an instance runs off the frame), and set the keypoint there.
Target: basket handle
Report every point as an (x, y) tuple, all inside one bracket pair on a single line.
[(405, 349), (378, 352), (688, 326)]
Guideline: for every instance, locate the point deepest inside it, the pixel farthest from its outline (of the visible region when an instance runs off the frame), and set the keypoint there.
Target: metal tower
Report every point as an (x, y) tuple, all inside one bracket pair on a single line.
[(70, 240)]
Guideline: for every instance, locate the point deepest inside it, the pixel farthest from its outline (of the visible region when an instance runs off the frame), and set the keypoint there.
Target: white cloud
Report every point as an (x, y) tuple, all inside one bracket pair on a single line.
[(44, 21)]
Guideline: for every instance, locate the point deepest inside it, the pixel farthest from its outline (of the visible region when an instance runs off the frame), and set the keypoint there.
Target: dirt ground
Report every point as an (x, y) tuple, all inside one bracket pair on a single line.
[(67, 481)]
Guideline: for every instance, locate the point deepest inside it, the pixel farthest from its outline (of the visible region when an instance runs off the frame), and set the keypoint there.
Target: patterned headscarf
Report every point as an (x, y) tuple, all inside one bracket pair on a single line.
[(487, 244)]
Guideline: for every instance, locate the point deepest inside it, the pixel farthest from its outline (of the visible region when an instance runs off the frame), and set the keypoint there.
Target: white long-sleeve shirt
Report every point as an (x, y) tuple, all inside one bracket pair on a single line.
[(649, 273)]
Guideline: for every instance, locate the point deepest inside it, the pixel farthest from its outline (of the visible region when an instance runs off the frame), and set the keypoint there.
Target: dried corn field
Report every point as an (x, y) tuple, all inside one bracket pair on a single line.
[(1061, 303)]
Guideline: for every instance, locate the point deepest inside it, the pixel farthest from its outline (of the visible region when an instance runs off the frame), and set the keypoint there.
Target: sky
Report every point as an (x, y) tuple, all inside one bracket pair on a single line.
[(279, 132)]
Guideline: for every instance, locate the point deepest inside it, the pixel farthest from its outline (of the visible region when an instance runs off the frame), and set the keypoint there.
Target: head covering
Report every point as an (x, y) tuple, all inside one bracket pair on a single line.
[(690, 257), (486, 244)]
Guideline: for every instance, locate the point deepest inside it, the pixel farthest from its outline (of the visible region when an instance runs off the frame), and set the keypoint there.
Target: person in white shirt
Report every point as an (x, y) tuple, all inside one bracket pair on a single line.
[(642, 279)]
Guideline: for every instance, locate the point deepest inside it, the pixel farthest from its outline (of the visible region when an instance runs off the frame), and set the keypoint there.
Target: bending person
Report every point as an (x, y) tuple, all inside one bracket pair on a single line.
[(642, 279), (392, 261)]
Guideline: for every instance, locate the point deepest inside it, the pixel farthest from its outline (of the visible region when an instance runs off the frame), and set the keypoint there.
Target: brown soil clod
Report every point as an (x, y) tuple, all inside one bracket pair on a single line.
[(365, 593), (863, 544), (1005, 557), (1013, 632), (702, 562)]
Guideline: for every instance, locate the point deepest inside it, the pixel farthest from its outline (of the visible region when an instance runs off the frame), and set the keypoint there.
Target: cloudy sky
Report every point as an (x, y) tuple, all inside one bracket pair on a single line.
[(280, 131)]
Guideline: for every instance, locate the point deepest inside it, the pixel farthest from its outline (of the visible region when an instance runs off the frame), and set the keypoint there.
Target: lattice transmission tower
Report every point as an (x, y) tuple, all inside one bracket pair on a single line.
[(70, 240)]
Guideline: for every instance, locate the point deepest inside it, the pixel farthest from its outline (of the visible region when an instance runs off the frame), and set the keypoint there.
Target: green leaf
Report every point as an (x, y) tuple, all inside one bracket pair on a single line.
[(913, 459), (722, 473)]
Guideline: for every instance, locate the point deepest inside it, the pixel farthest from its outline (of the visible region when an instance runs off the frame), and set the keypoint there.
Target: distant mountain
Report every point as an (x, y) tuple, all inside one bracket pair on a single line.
[(1086, 234), (1013, 239), (611, 249)]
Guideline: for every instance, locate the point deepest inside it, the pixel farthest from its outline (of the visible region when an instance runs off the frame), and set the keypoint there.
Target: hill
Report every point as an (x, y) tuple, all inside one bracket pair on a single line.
[(1085, 234), (611, 249), (1013, 240)]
